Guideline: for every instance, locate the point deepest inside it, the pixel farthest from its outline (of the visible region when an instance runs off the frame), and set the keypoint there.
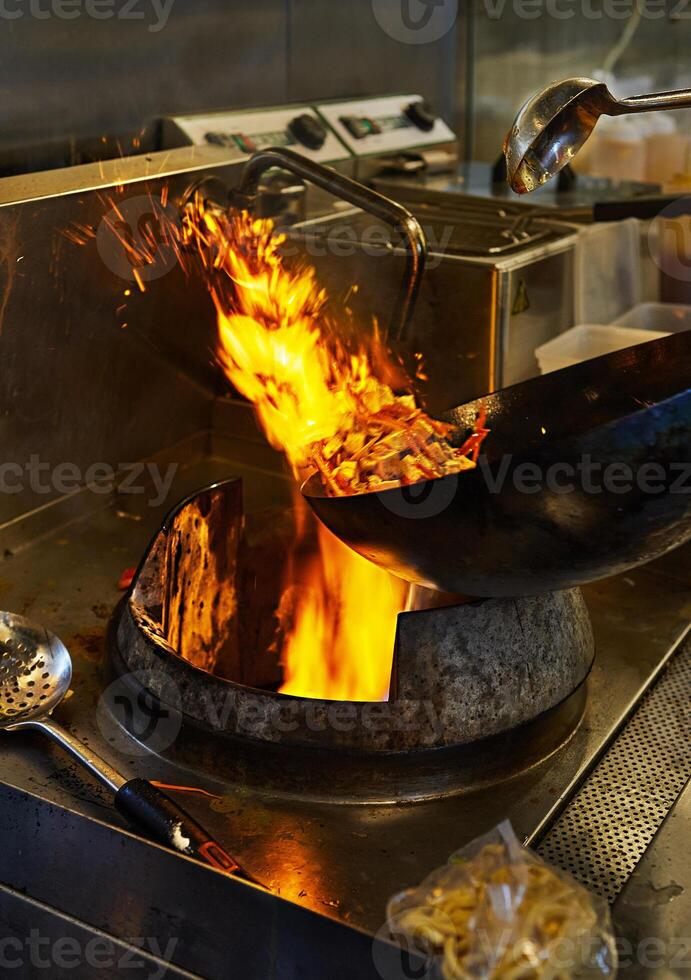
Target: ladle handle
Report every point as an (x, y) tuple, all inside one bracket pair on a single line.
[(681, 99), (142, 803), (110, 778)]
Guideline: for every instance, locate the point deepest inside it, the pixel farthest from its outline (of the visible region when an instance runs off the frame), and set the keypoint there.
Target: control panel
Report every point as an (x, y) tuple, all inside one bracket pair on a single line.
[(386, 125), (298, 127)]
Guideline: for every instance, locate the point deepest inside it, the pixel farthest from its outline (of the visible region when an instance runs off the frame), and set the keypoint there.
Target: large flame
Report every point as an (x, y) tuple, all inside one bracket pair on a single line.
[(279, 350), (278, 347), (328, 402), (341, 610)]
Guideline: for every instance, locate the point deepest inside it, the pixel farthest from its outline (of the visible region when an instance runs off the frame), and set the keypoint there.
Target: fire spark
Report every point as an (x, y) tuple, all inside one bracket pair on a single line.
[(327, 404), (331, 403)]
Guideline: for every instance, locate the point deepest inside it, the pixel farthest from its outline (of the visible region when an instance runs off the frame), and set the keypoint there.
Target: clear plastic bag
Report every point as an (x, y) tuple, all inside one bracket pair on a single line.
[(496, 911)]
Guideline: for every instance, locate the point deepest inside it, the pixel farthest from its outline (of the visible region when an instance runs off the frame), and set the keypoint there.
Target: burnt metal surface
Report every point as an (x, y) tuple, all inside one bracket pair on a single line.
[(340, 861), (487, 532), (311, 773), (490, 666), (459, 674), (198, 569)]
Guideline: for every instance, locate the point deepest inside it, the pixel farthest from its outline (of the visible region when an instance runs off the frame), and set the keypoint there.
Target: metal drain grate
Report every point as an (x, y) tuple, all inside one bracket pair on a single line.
[(604, 831)]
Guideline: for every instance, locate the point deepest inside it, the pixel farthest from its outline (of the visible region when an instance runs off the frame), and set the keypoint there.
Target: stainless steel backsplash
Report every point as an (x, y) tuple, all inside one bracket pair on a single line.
[(68, 80), (91, 369)]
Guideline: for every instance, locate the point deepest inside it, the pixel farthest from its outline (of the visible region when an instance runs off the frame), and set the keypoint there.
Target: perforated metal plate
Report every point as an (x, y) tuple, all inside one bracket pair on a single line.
[(604, 831)]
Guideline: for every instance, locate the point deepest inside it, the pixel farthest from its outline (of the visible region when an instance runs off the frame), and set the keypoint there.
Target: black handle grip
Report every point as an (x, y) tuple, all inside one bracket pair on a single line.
[(143, 803)]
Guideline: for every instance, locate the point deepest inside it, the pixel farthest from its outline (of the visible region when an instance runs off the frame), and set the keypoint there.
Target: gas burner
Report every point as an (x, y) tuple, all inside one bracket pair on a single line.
[(479, 690)]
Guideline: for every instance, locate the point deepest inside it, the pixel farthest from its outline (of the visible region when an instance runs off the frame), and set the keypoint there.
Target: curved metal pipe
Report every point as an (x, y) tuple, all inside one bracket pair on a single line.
[(399, 218)]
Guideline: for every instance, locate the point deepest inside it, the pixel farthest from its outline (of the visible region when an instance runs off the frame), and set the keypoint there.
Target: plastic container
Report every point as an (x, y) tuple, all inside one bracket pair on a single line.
[(607, 270), (668, 317), (666, 148), (619, 149), (589, 340)]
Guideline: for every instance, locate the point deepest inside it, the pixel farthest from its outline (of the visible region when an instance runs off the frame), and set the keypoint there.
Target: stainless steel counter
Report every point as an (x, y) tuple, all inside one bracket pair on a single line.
[(340, 861)]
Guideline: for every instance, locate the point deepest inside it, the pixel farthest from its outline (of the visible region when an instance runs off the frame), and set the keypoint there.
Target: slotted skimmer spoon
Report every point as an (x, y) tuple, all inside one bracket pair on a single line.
[(35, 675)]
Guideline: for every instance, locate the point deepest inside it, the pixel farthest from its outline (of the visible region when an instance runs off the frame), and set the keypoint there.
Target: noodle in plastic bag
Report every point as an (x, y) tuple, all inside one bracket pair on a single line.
[(496, 911)]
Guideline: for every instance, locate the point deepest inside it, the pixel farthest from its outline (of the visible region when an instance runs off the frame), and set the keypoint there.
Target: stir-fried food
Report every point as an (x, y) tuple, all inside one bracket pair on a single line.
[(332, 401), (398, 445), (329, 403)]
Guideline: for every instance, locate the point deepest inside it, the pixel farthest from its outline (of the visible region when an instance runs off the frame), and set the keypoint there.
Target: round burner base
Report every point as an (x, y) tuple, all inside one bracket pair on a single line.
[(327, 774), (478, 690)]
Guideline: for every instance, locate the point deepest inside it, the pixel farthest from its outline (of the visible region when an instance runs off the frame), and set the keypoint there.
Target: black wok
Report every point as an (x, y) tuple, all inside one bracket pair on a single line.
[(540, 530)]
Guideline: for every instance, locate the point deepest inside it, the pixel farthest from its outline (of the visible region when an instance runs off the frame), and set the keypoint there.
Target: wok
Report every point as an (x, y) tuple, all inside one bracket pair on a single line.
[(504, 530)]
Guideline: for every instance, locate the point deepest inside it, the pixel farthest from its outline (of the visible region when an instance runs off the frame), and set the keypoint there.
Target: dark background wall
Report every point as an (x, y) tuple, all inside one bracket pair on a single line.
[(85, 77)]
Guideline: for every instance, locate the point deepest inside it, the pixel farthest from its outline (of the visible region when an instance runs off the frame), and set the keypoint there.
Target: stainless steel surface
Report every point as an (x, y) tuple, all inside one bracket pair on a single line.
[(173, 909), (478, 317), (607, 827), (78, 387), (35, 675), (576, 203), (281, 196), (78, 750), (506, 73), (88, 360), (553, 125), (391, 134), (130, 172), (527, 281), (656, 102), (403, 223), (342, 861), (464, 226), (340, 50), (35, 670), (110, 76), (89, 382), (653, 912), (94, 75)]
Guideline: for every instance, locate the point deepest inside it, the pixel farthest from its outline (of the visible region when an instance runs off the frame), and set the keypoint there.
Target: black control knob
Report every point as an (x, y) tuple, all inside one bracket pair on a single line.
[(308, 130), (422, 115)]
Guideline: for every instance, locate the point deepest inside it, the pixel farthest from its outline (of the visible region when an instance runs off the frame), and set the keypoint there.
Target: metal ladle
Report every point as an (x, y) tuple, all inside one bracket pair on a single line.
[(35, 675), (553, 125)]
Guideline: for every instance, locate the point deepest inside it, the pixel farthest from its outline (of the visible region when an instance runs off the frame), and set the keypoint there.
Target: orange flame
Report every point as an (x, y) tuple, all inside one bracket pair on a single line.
[(279, 350), (341, 640), (278, 347)]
